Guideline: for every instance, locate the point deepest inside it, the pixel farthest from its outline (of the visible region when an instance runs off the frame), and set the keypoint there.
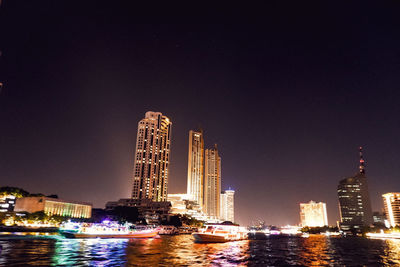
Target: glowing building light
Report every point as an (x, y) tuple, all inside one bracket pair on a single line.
[(313, 214), (391, 203)]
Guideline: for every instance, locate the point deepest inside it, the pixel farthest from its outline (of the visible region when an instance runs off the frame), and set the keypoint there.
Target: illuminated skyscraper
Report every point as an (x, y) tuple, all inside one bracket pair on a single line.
[(227, 207), (150, 176), (313, 214), (391, 201), (354, 202), (195, 178), (212, 183)]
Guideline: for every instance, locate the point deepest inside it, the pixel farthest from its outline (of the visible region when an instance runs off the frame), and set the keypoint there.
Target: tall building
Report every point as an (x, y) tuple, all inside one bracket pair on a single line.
[(391, 202), (313, 214), (212, 183), (150, 175), (227, 207), (195, 180), (354, 202)]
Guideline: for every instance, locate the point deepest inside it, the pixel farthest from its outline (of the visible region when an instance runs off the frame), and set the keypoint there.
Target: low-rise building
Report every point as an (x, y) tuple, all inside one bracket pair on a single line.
[(143, 205), (378, 217), (7, 203), (183, 204), (54, 206), (178, 203)]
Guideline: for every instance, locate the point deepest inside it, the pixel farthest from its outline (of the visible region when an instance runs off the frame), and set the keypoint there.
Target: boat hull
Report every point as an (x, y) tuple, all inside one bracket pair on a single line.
[(212, 238)]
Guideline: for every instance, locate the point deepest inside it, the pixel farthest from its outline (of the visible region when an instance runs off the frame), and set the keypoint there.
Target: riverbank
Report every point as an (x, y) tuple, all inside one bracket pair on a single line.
[(28, 229)]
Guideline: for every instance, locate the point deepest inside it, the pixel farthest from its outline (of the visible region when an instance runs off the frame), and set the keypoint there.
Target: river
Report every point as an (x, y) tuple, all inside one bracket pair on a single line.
[(316, 250)]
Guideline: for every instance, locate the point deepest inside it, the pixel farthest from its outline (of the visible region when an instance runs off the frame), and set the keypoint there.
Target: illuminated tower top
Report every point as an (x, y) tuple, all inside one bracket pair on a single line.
[(362, 166)]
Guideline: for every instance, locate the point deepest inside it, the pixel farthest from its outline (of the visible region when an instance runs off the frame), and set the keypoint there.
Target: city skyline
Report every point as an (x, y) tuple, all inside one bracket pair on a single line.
[(288, 101)]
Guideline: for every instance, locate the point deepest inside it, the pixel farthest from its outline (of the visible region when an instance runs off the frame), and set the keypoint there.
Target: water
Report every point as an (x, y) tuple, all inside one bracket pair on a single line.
[(182, 251)]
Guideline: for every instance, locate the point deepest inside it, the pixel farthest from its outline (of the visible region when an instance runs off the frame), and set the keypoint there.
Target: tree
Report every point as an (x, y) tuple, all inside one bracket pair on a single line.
[(125, 214), (15, 191), (190, 221), (174, 220)]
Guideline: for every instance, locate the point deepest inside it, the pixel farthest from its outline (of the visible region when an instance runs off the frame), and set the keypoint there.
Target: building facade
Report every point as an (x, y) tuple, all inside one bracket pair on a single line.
[(391, 202), (178, 203), (354, 202), (313, 214), (54, 206), (195, 178), (378, 218), (150, 175), (227, 206), (7, 203), (212, 183)]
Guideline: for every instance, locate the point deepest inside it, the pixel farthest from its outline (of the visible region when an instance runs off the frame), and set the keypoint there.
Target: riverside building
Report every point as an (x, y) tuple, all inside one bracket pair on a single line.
[(195, 178), (212, 183), (54, 206), (354, 202), (150, 175), (391, 202), (313, 214), (227, 206), (7, 203)]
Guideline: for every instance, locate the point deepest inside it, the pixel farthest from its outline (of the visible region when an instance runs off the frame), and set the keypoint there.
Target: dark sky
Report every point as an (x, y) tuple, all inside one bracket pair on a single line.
[(289, 96)]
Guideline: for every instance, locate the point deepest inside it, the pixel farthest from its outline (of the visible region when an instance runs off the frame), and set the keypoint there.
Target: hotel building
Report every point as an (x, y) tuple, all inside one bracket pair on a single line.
[(227, 208), (195, 179), (313, 214), (150, 175), (354, 202), (54, 206), (391, 202), (212, 183)]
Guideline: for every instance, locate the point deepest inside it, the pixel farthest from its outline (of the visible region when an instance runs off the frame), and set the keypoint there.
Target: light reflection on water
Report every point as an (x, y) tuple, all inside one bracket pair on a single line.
[(181, 250)]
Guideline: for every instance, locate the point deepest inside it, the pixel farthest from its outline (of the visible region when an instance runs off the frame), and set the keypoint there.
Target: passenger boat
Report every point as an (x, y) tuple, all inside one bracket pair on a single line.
[(168, 230), (106, 229), (219, 233)]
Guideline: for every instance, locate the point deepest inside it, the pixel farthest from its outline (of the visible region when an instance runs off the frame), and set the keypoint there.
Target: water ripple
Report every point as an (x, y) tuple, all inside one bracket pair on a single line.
[(182, 251)]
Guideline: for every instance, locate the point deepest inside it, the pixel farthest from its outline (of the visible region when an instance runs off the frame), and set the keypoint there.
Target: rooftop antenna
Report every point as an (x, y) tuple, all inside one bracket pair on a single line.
[(362, 166)]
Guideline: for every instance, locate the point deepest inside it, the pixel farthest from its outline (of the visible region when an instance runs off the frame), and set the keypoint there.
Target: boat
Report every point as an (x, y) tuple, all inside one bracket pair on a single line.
[(106, 229), (219, 233), (186, 230), (168, 230)]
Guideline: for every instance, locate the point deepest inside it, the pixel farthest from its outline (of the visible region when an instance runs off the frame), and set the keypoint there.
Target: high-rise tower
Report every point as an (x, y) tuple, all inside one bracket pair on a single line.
[(212, 182), (195, 180), (150, 175), (354, 202)]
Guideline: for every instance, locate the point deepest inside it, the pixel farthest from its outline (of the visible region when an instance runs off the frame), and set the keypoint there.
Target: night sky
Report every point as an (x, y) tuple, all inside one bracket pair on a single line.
[(288, 96)]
